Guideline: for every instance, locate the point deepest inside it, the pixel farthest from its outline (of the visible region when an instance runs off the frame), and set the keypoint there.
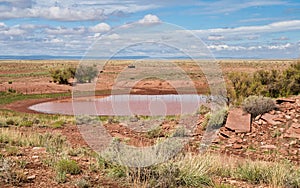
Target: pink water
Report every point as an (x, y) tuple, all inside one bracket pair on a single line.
[(122, 105)]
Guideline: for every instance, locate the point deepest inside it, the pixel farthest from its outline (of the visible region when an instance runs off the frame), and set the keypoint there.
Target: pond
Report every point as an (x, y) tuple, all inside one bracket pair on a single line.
[(125, 105)]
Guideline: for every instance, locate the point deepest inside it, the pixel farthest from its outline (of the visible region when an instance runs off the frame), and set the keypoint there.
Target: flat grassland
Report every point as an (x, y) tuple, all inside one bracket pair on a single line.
[(33, 77), (42, 150)]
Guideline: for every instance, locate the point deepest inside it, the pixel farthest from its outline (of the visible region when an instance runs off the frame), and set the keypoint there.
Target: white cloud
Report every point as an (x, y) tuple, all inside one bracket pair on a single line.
[(100, 28), (17, 3), (282, 38), (65, 31), (289, 25), (228, 6), (149, 19), (13, 32), (55, 41), (221, 47), (215, 37), (70, 10), (280, 47), (225, 47), (2, 24), (258, 20), (28, 26), (113, 36)]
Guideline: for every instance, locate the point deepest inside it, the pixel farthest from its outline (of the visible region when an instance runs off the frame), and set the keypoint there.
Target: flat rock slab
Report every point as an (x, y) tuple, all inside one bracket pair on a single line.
[(293, 131), (270, 119), (238, 121), (281, 100), (268, 147)]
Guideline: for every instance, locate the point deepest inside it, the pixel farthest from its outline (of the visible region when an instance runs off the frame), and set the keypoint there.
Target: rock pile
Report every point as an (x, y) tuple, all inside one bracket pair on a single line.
[(275, 134)]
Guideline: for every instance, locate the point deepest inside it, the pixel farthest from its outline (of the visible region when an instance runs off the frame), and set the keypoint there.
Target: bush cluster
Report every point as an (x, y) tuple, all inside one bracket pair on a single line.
[(257, 105), (82, 74), (274, 83), (62, 76), (86, 73)]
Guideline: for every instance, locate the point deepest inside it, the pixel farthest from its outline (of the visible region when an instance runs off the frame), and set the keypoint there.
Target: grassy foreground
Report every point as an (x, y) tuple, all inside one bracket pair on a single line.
[(76, 165)]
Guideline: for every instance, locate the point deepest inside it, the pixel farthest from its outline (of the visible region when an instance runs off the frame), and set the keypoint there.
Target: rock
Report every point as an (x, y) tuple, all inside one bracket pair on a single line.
[(39, 150), (294, 152), (268, 147), (295, 125), (270, 119), (257, 117), (293, 131), (280, 119), (31, 177), (237, 146), (232, 181), (238, 121), (293, 142), (272, 112), (133, 119), (123, 124), (288, 117), (239, 141), (232, 140), (224, 133), (216, 141), (35, 157), (281, 100)]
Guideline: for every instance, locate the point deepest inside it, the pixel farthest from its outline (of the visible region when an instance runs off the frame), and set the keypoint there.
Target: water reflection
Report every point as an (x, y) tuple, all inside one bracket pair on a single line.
[(125, 105)]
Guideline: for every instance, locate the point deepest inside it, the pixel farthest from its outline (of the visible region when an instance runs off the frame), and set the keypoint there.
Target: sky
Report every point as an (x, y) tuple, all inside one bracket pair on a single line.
[(227, 28)]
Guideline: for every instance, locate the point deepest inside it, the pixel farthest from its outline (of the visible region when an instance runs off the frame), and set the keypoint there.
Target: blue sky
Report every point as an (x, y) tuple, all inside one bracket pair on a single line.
[(229, 28)]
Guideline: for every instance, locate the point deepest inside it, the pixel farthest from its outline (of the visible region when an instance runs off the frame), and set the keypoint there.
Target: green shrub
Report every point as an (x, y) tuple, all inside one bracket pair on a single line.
[(223, 186), (58, 124), (10, 122), (86, 73), (10, 173), (3, 124), (295, 179), (61, 177), (67, 166), (82, 183), (11, 90), (116, 171), (205, 121), (276, 174), (257, 105), (217, 118), (253, 173), (12, 151), (62, 76), (26, 123), (203, 110), (154, 133), (180, 132), (272, 83)]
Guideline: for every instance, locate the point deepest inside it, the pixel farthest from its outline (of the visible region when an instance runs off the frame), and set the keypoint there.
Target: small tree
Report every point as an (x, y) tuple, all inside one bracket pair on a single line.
[(86, 73), (62, 76)]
